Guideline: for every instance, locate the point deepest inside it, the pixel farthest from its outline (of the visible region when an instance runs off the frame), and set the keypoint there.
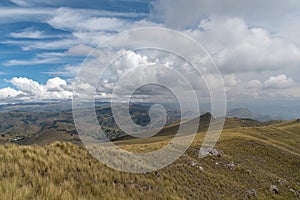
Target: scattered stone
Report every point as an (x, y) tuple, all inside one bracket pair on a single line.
[(146, 173), (29, 183), (147, 188), (251, 193), (217, 163), (274, 189), (193, 163), (230, 165), (282, 182), (157, 174), (131, 185), (194, 150), (118, 184), (216, 152), (296, 193)]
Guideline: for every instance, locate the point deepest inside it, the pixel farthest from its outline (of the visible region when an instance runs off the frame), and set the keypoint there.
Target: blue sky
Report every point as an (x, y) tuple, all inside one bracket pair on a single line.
[(17, 33), (256, 45)]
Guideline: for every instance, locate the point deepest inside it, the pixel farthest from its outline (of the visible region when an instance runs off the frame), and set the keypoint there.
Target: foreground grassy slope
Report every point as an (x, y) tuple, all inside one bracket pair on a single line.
[(254, 158)]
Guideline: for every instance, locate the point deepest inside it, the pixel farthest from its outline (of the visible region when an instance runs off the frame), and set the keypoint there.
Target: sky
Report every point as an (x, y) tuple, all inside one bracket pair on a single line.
[(255, 44)]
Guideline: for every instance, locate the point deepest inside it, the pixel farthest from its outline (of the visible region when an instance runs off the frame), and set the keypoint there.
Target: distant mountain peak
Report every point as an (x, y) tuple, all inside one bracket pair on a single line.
[(206, 115)]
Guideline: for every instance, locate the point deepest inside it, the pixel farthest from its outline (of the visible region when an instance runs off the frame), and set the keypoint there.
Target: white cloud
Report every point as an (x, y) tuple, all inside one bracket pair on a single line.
[(55, 84), (81, 20), (276, 87), (45, 45), (32, 34), (65, 71), (23, 3), (182, 13), (52, 57), (254, 84), (55, 89), (279, 82), (80, 49), (92, 38), (28, 86), (33, 61), (12, 14), (279, 17), (238, 35), (7, 93), (230, 80), (238, 48)]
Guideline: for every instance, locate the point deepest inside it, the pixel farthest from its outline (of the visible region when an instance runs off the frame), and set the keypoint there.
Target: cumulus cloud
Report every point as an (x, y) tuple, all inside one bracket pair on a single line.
[(278, 82), (254, 84), (28, 86), (55, 89), (236, 47), (55, 84), (8, 93), (230, 80), (253, 89)]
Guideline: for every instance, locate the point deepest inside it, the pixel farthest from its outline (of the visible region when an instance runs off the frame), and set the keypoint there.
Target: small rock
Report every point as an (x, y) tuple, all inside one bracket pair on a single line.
[(194, 150), (274, 189), (282, 182), (215, 152), (230, 165), (217, 163), (251, 192), (296, 193), (193, 163), (147, 188), (131, 185), (157, 174), (201, 168), (29, 183)]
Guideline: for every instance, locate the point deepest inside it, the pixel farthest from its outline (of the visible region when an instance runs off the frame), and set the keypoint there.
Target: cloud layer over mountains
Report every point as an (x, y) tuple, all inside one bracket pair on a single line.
[(255, 44)]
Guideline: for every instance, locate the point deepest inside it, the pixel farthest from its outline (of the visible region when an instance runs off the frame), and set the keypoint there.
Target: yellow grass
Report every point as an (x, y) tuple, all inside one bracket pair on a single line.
[(261, 155)]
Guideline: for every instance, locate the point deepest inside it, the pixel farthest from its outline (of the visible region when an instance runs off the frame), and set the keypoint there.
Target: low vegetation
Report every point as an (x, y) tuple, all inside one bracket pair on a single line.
[(260, 162)]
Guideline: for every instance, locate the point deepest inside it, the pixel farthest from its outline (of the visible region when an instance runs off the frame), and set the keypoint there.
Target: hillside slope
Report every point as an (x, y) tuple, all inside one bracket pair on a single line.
[(253, 160)]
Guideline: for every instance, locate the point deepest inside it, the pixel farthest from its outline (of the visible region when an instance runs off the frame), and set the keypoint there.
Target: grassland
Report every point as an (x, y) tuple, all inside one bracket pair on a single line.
[(255, 157)]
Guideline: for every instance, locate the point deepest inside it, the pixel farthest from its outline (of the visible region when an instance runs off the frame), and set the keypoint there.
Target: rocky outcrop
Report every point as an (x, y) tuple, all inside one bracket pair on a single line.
[(211, 152)]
